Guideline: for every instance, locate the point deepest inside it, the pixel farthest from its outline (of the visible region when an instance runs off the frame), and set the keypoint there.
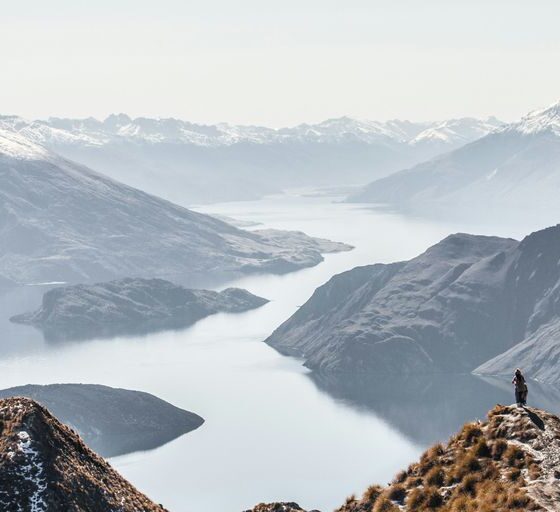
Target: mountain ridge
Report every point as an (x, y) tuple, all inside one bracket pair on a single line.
[(190, 163), (464, 302), (508, 171), (63, 222), (46, 466), (508, 462)]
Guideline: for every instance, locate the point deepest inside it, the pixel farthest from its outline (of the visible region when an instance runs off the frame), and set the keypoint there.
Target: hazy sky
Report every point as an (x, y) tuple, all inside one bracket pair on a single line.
[(279, 62)]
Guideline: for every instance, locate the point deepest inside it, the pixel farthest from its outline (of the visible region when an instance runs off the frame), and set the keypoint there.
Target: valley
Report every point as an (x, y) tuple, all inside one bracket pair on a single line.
[(254, 399)]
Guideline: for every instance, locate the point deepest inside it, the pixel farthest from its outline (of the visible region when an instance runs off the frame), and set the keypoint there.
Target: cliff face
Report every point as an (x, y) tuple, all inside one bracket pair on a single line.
[(467, 300), (45, 466), (509, 462)]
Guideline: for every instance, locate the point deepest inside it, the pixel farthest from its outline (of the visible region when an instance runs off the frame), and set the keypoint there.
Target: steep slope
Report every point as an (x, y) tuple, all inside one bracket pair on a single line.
[(45, 466), (129, 306), (111, 421), (509, 462), (191, 163), (516, 167), (439, 312), (60, 221), (506, 463), (464, 301)]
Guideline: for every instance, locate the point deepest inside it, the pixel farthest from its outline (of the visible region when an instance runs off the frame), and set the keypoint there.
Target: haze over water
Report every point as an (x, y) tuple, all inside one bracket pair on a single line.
[(271, 432)]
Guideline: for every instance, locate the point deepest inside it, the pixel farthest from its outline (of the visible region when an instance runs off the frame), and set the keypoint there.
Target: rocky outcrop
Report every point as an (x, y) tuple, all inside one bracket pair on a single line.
[(466, 300), (45, 466), (129, 306), (111, 421), (509, 462), (277, 507), (62, 222)]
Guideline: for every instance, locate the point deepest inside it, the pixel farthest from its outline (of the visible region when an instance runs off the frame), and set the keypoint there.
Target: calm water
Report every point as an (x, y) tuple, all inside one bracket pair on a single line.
[(272, 431)]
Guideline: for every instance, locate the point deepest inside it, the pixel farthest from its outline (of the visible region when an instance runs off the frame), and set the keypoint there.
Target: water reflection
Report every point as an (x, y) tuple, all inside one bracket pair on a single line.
[(15, 338), (427, 409)]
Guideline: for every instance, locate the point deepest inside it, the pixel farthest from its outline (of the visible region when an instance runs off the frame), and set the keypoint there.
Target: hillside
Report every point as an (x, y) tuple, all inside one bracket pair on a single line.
[(62, 222), (509, 462), (191, 163), (129, 306), (111, 421), (514, 169), (464, 301), (46, 466)]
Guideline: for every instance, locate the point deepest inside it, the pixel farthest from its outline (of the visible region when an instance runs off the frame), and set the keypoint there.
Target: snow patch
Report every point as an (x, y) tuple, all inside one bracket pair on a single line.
[(14, 145), (32, 471)]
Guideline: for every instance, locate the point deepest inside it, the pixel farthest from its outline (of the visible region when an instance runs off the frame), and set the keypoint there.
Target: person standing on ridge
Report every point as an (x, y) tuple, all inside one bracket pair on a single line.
[(521, 389)]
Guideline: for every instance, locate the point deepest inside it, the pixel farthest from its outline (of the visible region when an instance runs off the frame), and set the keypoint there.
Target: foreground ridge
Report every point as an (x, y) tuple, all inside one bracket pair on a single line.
[(509, 462), (45, 466)]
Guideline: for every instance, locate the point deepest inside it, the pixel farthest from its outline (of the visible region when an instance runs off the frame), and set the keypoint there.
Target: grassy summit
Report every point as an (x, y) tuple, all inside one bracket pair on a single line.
[(509, 462)]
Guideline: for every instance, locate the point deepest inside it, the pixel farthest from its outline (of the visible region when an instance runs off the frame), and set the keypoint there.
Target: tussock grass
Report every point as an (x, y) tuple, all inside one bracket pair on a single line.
[(481, 469)]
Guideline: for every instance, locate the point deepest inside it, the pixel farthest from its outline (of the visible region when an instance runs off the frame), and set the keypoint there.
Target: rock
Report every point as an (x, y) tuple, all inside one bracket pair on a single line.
[(111, 421), (46, 466), (279, 507), (129, 306)]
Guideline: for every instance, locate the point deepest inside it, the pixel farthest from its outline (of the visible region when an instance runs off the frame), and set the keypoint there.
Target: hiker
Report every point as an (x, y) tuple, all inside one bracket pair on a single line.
[(521, 390)]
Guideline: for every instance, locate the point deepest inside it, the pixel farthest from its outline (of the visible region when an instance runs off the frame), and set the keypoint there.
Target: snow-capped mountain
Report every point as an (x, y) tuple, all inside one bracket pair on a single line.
[(90, 131), (192, 163), (60, 221), (546, 120), (457, 131), (515, 168)]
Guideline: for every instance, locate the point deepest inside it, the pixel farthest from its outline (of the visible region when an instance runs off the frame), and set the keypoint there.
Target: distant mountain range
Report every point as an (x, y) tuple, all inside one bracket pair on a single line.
[(60, 221), (192, 163), (469, 303), (514, 168)]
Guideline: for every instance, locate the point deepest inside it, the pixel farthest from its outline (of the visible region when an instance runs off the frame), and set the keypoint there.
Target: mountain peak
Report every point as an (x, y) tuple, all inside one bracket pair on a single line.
[(508, 462), (41, 460), (117, 120), (537, 121)]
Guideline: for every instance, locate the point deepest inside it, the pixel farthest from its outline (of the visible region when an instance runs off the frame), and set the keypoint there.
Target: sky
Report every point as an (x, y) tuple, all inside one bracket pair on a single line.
[(279, 63)]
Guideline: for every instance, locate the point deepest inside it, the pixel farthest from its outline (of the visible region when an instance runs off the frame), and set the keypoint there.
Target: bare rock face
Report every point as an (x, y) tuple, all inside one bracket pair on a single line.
[(62, 222), (468, 303), (45, 466), (129, 306), (111, 421)]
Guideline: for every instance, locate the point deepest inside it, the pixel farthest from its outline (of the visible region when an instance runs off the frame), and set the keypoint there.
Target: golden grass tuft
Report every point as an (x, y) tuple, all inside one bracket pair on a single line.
[(477, 471)]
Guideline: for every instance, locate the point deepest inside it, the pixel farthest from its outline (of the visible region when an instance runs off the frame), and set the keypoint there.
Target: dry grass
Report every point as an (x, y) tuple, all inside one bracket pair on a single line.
[(396, 492), (480, 470)]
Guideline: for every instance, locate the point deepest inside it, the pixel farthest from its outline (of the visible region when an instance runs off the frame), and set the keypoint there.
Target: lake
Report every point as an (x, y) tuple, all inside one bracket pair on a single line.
[(272, 431)]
